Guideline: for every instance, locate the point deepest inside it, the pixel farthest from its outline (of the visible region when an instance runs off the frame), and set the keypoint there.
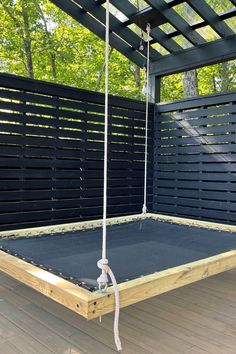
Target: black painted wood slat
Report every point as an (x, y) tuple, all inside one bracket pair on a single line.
[(204, 195), (199, 185), (205, 140)]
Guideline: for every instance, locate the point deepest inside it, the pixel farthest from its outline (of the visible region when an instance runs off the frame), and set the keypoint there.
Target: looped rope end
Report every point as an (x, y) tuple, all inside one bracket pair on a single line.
[(103, 285)]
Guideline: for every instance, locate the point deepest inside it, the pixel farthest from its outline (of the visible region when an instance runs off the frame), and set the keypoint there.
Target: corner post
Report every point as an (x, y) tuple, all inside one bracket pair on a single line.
[(155, 88)]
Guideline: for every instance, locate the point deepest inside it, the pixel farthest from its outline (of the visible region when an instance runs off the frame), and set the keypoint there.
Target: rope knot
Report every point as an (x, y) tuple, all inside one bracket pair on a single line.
[(103, 265), (103, 285), (103, 279)]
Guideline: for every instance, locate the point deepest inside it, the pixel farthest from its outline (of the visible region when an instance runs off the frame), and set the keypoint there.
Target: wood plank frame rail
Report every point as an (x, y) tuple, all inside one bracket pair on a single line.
[(93, 304)]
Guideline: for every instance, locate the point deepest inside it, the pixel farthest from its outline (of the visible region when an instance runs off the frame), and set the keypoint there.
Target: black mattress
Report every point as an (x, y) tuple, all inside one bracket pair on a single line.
[(134, 249)]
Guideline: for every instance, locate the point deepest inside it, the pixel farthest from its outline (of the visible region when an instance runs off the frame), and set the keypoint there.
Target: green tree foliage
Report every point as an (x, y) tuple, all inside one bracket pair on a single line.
[(62, 50), (211, 79), (39, 40)]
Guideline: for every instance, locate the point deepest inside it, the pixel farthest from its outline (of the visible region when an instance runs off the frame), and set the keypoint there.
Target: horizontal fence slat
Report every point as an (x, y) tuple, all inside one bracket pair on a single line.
[(197, 176), (197, 158), (48, 194), (196, 122), (205, 195), (194, 149), (197, 131), (224, 138), (206, 112), (197, 102), (28, 184), (217, 167), (199, 185)]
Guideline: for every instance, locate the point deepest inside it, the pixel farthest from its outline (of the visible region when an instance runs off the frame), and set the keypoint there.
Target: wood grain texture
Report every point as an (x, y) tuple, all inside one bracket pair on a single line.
[(155, 284), (50, 285)]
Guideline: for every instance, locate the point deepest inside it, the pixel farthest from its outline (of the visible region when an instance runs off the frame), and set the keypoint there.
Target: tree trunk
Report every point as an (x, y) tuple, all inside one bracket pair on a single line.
[(24, 33), (53, 65), (214, 84), (190, 86), (52, 53), (190, 82), (137, 76), (101, 72), (27, 40), (224, 77)]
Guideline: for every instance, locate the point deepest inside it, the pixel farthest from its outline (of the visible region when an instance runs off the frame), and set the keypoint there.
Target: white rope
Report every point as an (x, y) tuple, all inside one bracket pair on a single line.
[(103, 263), (104, 226), (103, 278), (144, 210)]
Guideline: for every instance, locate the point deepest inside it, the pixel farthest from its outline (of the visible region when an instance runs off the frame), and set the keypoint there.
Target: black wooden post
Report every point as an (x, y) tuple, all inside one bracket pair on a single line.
[(155, 89)]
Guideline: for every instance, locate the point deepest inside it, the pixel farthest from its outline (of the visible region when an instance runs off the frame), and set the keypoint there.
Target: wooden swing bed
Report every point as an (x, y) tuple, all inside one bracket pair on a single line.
[(144, 234)]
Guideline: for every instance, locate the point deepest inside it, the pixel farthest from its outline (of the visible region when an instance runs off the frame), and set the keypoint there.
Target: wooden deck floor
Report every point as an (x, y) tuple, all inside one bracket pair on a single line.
[(196, 319)]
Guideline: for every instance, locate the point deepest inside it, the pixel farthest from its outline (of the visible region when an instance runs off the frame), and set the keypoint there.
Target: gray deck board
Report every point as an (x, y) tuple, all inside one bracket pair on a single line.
[(196, 319)]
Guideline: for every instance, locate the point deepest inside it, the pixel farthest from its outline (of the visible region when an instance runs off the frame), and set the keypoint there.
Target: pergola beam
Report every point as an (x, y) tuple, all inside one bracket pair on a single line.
[(97, 28), (211, 17), (91, 14), (207, 54)]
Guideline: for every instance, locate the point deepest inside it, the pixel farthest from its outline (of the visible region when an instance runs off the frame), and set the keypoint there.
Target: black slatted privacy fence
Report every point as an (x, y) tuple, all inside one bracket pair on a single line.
[(51, 154), (195, 158)]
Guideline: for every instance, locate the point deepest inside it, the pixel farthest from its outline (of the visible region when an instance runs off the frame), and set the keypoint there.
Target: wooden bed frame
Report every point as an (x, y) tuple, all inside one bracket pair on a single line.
[(93, 304)]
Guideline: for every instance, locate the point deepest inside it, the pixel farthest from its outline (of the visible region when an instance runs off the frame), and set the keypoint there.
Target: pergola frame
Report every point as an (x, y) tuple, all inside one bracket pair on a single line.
[(173, 57)]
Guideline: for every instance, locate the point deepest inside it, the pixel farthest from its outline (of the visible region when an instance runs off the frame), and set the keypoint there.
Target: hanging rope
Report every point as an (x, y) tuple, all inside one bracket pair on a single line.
[(103, 263), (144, 210)]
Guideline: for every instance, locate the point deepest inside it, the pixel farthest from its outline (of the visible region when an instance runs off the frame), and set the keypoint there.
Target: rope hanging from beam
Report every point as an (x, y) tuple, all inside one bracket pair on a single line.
[(103, 263), (144, 210)]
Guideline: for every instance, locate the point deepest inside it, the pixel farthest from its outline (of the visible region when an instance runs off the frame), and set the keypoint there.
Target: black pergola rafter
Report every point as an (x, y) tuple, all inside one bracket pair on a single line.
[(224, 16), (211, 17), (177, 21)]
